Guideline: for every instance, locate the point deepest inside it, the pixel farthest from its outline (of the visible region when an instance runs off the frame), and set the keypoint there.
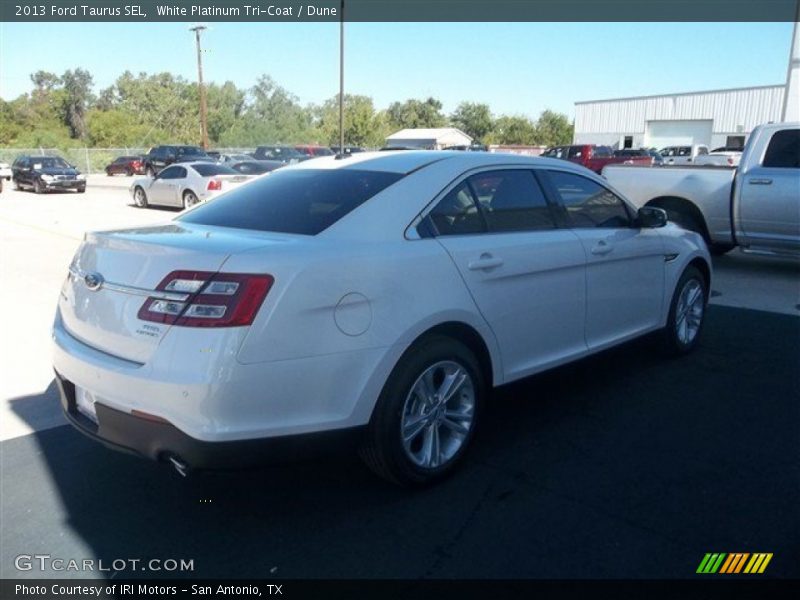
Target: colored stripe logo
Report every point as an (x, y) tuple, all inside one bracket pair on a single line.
[(735, 562)]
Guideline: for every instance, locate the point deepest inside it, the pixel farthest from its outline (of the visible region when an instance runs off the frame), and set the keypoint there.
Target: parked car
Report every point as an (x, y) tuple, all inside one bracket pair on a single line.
[(256, 167), (682, 155), (126, 165), (185, 184), (5, 171), (163, 156), (46, 174), (286, 154), (625, 154), (721, 157), (755, 206), (376, 300), (312, 151), (591, 156)]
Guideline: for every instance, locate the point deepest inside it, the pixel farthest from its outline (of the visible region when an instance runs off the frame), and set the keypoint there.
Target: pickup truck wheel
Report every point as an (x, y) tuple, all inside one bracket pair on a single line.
[(150, 172), (686, 221), (426, 414), (687, 313)]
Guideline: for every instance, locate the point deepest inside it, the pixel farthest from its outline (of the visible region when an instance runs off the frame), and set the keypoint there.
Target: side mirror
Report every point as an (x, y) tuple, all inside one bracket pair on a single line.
[(650, 217)]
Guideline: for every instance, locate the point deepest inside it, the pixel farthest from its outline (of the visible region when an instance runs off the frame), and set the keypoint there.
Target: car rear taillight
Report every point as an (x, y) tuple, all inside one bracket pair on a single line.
[(214, 185), (136, 164), (204, 299)]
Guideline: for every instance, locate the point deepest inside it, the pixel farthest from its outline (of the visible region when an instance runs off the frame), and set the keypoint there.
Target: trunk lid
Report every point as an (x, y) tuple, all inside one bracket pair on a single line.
[(113, 271)]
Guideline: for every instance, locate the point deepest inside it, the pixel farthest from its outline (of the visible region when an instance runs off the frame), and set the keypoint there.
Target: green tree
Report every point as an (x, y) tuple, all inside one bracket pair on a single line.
[(77, 85), (513, 130), (553, 129), (474, 119), (362, 125), (414, 113)]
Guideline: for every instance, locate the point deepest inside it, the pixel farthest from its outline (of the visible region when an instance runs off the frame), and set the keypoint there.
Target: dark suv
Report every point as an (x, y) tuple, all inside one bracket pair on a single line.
[(46, 173), (163, 156)]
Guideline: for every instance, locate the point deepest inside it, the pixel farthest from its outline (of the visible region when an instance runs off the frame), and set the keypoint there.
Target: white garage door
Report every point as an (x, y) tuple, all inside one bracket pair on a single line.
[(677, 133)]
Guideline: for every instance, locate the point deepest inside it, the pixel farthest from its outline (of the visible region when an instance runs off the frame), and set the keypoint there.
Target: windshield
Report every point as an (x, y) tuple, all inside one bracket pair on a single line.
[(305, 201), (189, 151), (50, 162)]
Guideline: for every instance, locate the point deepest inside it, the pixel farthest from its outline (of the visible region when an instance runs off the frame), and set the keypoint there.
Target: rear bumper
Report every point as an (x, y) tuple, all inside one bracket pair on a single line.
[(160, 440)]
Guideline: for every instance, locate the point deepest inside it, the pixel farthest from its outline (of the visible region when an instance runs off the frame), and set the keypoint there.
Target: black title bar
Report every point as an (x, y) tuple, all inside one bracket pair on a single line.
[(397, 10)]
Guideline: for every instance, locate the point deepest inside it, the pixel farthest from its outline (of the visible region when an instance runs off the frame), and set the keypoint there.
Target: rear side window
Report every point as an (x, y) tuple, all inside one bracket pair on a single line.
[(172, 173), (304, 201), (211, 169), (457, 213), (783, 151), (512, 201), (587, 203)]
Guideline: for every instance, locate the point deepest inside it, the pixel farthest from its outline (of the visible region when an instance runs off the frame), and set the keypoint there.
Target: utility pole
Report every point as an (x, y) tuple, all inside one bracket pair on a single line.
[(341, 81), (202, 88)]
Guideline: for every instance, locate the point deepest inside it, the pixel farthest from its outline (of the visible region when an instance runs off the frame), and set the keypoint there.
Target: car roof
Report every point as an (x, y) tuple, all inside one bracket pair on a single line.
[(406, 161)]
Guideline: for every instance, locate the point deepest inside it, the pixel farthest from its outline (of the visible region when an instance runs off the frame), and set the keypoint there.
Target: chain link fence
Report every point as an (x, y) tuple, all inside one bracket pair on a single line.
[(90, 160)]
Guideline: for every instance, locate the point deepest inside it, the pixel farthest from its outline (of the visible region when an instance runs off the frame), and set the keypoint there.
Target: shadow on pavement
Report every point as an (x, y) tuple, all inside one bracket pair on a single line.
[(622, 465)]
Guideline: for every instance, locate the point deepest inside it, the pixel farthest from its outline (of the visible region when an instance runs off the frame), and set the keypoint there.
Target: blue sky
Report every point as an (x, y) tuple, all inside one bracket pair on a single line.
[(517, 68)]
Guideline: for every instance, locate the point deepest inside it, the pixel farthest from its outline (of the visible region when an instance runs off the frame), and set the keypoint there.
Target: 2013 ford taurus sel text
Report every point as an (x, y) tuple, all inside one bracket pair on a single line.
[(376, 298)]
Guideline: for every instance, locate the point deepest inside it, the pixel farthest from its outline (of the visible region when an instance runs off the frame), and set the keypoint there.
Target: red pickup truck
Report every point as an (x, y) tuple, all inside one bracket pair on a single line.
[(594, 157)]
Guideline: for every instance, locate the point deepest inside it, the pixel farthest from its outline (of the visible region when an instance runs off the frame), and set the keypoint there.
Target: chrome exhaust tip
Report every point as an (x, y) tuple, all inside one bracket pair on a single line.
[(181, 467)]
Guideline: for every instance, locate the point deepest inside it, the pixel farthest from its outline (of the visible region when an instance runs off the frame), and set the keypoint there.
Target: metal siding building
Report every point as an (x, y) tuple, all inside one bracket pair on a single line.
[(677, 119)]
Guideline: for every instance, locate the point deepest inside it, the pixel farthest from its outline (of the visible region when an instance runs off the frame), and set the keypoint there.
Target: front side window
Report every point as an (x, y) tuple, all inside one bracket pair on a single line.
[(302, 201), (589, 204), (783, 151), (512, 201), (684, 151)]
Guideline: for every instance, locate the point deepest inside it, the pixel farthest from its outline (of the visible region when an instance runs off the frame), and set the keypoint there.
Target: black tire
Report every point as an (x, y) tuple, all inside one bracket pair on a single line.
[(37, 187), (150, 171), (82, 190), (674, 344), (129, 172), (383, 448), (190, 199), (16, 185), (140, 197)]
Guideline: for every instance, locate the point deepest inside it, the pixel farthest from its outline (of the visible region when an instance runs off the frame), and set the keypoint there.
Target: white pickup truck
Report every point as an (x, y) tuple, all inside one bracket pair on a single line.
[(755, 206)]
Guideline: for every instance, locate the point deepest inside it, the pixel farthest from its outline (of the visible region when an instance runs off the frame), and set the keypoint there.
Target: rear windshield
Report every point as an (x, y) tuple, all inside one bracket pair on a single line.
[(304, 201), (211, 169)]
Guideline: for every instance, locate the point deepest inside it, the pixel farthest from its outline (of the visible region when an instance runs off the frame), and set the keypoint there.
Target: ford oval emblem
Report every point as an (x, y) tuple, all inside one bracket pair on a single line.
[(93, 281)]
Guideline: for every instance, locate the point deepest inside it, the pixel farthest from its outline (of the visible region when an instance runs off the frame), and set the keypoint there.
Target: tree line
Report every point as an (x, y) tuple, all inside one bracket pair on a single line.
[(149, 109)]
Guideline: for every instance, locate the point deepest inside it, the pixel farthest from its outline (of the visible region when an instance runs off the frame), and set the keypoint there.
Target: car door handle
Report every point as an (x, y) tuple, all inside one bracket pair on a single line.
[(486, 261), (602, 247), (760, 181)]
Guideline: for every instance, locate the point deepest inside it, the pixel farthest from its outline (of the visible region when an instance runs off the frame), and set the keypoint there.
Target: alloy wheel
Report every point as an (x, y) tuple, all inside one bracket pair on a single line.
[(438, 414), (689, 312)]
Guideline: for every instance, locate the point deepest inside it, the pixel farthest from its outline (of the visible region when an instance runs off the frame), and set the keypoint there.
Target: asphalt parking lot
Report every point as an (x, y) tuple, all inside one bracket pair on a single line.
[(622, 465)]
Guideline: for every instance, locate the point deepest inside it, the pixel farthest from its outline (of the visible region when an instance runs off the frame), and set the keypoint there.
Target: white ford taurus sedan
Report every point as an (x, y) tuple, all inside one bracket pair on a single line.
[(185, 184), (376, 299)]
